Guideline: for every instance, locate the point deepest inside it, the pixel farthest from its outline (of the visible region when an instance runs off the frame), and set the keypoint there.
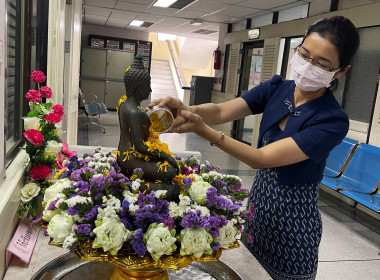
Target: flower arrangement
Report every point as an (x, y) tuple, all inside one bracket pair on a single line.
[(45, 149), (92, 201)]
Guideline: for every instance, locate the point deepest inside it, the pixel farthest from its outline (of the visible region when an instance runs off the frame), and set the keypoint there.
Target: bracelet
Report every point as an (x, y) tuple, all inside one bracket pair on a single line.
[(220, 140)]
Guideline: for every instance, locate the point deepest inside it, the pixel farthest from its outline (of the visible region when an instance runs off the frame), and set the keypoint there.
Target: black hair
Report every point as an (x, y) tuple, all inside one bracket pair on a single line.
[(136, 76), (342, 33)]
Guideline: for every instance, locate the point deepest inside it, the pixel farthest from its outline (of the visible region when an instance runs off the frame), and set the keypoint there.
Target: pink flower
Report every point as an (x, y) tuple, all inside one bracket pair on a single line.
[(58, 109), (53, 118), (38, 77), (39, 172), (66, 151), (33, 96), (46, 92), (34, 136), (59, 161)]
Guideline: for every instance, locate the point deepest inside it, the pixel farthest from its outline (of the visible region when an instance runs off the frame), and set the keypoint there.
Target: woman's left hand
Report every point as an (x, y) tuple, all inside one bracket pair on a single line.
[(189, 122)]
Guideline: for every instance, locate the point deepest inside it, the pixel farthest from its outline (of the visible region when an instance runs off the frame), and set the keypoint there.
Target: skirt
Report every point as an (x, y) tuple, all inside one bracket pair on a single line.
[(287, 228)]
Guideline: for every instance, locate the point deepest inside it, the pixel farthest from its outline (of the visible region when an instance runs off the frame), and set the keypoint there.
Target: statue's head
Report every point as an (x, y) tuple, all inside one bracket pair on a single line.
[(137, 79)]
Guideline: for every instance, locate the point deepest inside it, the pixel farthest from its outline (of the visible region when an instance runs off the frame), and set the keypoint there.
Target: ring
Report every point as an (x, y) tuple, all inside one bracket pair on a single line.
[(176, 129)]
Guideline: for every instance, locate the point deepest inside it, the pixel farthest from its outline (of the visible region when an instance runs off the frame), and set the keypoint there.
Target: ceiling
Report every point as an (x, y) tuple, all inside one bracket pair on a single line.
[(212, 14)]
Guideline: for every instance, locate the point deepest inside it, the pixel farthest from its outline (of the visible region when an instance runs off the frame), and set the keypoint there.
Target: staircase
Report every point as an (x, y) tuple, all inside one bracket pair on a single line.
[(162, 82)]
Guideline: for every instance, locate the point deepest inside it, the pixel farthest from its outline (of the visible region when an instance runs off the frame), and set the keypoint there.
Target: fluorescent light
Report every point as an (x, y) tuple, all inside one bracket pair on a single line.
[(196, 22), (164, 37), (164, 3), (136, 22)]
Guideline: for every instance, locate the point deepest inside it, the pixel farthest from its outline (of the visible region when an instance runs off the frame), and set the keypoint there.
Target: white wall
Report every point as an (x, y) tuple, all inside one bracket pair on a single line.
[(2, 88)]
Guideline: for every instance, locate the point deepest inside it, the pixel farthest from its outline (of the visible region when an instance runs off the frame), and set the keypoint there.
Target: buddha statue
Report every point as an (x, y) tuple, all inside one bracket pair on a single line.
[(139, 145)]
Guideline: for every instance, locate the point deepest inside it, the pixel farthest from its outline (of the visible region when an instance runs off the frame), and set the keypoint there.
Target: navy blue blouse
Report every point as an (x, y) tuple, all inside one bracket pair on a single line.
[(316, 126)]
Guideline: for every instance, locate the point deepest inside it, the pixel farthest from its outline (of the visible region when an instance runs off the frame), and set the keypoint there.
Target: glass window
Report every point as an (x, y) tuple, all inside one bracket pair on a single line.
[(361, 88), (262, 20), (293, 13), (13, 95), (97, 43), (112, 44), (240, 25)]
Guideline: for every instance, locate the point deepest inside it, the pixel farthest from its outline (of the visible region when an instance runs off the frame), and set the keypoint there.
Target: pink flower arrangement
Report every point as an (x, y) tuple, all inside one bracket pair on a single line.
[(34, 136), (46, 92), (33, 95), (39, 172), (53, 118), (46, 150), (38, 77)]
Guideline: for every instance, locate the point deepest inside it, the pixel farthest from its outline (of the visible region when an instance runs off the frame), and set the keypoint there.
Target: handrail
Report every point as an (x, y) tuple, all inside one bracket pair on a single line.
[(176, 63)]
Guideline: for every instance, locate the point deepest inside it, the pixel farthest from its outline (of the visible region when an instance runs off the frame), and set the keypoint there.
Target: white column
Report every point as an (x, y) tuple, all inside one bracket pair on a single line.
[(73, 29), (374, 137), (56, 42)]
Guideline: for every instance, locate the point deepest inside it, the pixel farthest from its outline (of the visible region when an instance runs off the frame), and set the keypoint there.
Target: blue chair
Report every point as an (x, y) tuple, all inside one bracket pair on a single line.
[(370, 201), (92, 108), (339, 158), (363, 172)]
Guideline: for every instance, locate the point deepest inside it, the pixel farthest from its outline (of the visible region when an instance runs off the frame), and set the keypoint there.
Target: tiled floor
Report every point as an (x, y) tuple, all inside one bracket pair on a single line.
[(350, 246)]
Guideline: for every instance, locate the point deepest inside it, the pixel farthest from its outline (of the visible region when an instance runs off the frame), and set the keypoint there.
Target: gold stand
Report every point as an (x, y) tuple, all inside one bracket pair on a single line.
[(132, 267), (148, 274)]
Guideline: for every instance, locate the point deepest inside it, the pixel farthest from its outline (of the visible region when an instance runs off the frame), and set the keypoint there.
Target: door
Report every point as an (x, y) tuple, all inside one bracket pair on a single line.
[(250, 77)]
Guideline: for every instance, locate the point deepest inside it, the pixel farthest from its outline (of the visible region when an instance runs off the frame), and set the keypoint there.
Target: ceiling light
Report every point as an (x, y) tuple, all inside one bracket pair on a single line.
[(163, 3), (136, 22), (196, 22)]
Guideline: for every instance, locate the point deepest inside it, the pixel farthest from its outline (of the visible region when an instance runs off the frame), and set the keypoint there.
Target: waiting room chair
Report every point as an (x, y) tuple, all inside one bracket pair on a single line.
[(92, 108)]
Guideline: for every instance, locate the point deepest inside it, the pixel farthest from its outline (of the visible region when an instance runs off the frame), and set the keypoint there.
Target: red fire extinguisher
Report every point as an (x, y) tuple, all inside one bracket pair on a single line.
[(217, 58)]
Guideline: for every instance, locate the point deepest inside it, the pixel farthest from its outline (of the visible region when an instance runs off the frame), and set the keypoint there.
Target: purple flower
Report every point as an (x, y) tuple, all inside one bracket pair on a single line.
[(74, 210), (52, 204), (84, 229), (137, 242), (187, 181), (169, 222), (35, 221), (89, 215), (186, 171)]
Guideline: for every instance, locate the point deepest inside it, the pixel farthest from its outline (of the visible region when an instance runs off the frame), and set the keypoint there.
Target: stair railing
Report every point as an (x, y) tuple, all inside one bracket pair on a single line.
[(178, 75)]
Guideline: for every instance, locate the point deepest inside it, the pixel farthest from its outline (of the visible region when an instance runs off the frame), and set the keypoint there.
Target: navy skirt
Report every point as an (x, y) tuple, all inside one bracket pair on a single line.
[(287, 227)]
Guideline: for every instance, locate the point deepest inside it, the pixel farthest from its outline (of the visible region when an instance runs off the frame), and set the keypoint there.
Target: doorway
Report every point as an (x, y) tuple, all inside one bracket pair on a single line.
[(250, 77)]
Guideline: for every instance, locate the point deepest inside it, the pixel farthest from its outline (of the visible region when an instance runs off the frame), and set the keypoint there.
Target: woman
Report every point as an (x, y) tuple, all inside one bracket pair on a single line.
[(302, 122)]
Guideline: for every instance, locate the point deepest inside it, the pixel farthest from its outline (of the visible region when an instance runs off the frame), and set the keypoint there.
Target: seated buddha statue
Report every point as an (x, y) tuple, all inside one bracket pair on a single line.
[(139, 145)]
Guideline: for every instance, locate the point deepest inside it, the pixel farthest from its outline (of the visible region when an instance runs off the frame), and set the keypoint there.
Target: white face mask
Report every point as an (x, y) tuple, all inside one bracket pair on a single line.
[(309, 77)]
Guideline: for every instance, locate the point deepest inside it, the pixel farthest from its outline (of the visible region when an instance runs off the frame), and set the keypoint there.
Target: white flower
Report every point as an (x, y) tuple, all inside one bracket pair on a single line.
[(110, 235), (197, 177), (227, 235), (32, 123), (204, 210), (29, 191), (69, 240), (198, 190), (56, 189), (136, 185), (195, 241), (160, 193), (47, 215), (53, 147), (71, 202), (59, 227), (160, 240), (111, 206)]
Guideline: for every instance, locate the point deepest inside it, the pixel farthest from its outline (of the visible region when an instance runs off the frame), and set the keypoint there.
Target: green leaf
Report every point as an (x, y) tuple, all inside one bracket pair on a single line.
[(31, 114), (47, 105)]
